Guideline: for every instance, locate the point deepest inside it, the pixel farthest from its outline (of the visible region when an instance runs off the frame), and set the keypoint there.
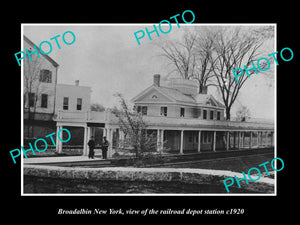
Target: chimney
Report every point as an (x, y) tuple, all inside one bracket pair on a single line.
[(76, 82), (156, 80)]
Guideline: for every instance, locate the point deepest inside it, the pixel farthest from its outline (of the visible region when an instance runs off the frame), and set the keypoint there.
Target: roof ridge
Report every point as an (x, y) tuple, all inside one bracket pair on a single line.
[(46, 56)]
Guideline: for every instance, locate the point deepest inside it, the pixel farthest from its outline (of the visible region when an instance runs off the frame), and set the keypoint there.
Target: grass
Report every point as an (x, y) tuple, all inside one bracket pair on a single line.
[(236, 164)]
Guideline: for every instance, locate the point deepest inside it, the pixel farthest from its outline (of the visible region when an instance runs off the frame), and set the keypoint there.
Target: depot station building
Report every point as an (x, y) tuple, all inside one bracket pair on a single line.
[(183, 120)]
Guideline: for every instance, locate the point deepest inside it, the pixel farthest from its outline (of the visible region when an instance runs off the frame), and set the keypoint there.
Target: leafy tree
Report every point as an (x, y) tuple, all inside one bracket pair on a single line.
[(134, 128)]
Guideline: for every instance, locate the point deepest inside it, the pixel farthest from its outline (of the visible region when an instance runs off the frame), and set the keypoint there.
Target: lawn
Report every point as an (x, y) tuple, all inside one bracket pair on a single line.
[(236, 164)]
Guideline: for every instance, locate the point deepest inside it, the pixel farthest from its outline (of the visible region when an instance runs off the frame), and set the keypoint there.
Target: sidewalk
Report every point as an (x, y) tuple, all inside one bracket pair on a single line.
[(54, 159)]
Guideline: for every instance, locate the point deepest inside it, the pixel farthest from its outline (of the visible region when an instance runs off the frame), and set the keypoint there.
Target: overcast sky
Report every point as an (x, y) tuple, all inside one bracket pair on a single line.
[(108, 59)]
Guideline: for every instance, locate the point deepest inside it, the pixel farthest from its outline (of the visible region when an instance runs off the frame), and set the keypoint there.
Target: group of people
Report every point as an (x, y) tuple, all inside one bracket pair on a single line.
[(104, 147)]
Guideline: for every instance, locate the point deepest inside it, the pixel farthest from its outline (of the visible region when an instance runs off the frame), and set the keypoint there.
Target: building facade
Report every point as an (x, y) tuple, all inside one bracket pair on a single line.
[(182, 119), (44, 98), (72, 98), (39, 91)]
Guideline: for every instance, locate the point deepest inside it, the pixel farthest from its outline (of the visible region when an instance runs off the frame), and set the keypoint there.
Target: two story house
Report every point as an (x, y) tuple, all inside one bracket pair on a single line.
[(179, 99), (39, 92), (184, 119), (44, 97)]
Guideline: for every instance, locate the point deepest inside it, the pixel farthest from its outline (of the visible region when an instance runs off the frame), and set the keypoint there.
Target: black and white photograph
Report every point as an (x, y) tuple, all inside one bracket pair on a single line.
[(108, 111), (139, 112)]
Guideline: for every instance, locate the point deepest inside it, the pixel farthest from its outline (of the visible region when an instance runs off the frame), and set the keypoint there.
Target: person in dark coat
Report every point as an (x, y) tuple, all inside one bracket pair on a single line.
[(105, 145), (91, 145)]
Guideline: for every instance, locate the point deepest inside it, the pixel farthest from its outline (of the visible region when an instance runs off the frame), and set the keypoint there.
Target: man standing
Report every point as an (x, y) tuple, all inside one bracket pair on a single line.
[(105, 145), (91, 145)]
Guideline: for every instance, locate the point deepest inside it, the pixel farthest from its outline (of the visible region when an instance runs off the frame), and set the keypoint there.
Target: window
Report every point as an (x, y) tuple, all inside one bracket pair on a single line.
[(44, 102), (181, 112), (154, 96), (218, 115), (144, 110), (46, 76), (66, 103), (163, 111), (31, 99), (79, 104), (190, 139), (211, 115), (204, 114)]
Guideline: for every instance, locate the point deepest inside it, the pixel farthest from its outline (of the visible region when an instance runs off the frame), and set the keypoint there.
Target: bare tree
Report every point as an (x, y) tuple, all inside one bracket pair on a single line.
[(233, 49), (180, 55), (209, 55), (203, 52), (31, 90), (190, 57)]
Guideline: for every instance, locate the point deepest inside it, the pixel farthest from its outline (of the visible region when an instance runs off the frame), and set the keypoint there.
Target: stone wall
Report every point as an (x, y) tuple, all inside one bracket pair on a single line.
[(181, 175)]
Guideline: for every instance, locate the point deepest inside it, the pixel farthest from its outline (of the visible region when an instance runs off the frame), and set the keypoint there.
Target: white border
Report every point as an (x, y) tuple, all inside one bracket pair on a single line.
[(146, 24)]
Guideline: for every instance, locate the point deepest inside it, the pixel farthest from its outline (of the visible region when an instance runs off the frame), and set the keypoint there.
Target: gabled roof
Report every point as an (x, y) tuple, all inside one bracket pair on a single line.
[(175, 95), (206, 99), (46, 56)]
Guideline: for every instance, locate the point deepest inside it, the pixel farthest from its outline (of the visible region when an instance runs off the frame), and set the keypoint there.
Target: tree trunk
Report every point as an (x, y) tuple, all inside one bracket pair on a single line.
[(227, 111), (200, 86)]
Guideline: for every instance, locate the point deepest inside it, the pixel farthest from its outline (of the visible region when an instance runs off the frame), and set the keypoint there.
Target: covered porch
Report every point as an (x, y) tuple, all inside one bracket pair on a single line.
[(174, 135)]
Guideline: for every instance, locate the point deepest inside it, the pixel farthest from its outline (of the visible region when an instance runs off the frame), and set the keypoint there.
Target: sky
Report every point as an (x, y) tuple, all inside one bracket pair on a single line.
[(107, 58)]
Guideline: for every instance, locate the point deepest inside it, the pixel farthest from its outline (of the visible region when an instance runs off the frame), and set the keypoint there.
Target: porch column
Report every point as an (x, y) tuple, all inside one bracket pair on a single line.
[(161, 140), (121, 138), (110, 142), (257, 139), (199, 140), (105, 132), (239, 140), (272, 136), (234, 139), (181, 141), (227, 140), (58, 142), (85, 141), (158, 140), (242, 138), (250, 140), (89, 133), (214, 141)]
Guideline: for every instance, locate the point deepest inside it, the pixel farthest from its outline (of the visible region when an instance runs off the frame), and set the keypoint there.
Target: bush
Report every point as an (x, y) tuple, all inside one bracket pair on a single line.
[(147, 159)]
